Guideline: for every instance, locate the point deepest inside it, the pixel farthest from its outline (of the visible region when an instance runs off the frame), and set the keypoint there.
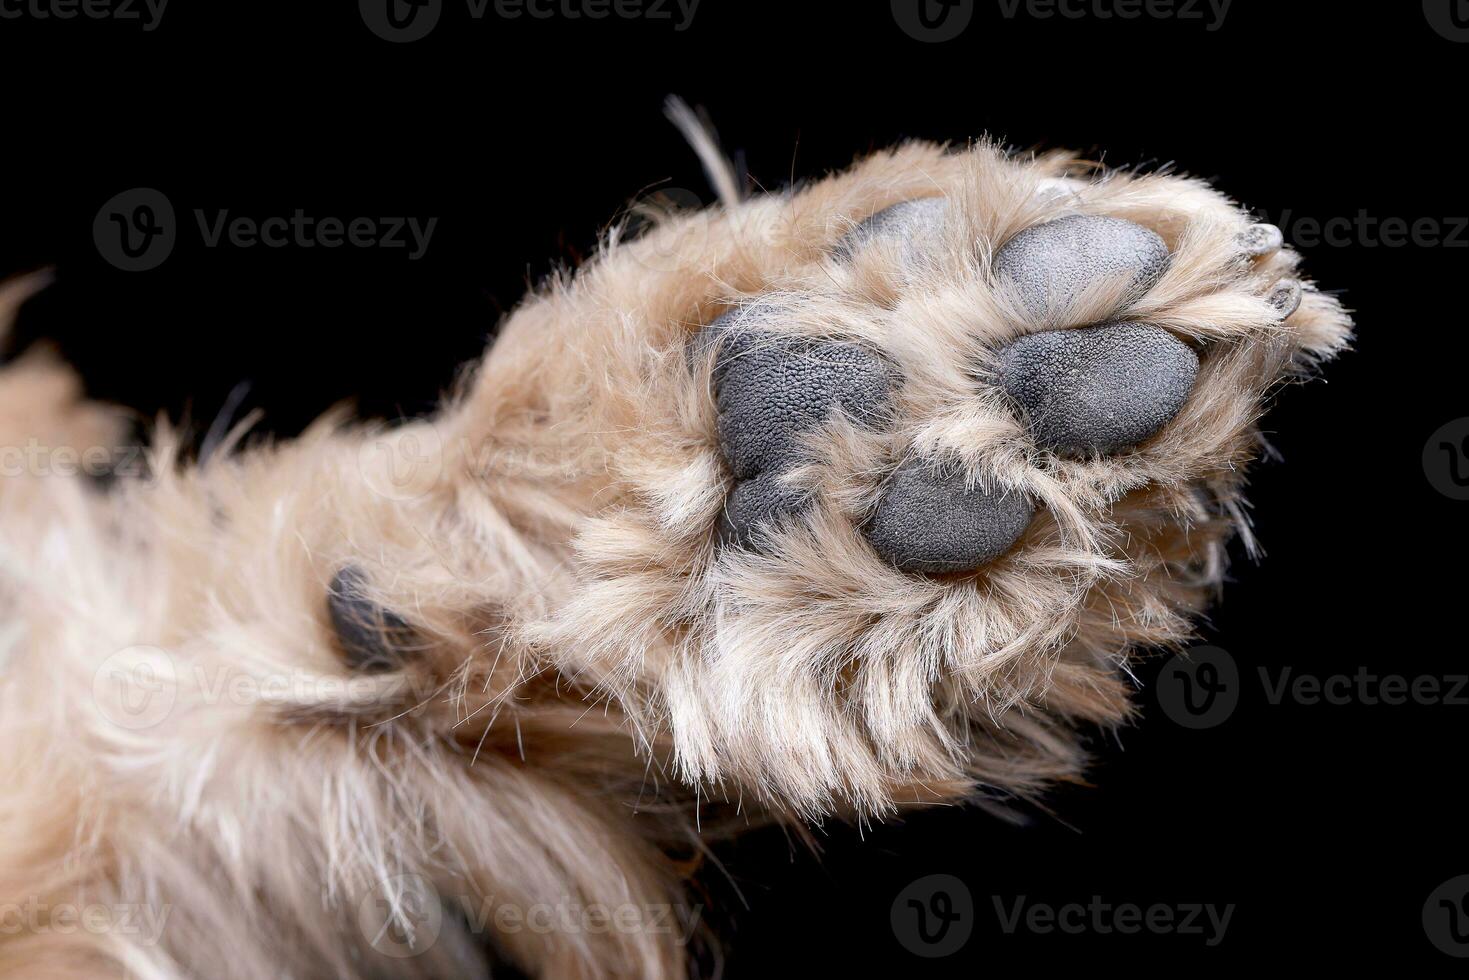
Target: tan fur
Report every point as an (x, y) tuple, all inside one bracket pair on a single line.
[(596, 674)]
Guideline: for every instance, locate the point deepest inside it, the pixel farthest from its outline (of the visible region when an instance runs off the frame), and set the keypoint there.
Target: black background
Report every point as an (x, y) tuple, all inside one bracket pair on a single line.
[(1327, 826)]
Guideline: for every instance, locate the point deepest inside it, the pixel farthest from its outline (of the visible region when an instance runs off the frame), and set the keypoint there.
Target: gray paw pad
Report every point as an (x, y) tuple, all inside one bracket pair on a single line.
[(930, 521), (1051, 264), (917, 224), (373, 639), (770, 388), (761, 499), (1098, 389)]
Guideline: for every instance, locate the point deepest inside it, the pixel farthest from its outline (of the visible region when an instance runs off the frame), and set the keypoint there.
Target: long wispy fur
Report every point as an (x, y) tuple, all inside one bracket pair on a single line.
[(597, 686)]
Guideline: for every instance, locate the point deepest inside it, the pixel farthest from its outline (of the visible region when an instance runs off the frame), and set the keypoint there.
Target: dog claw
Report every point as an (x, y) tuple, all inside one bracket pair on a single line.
[(1285, 297), (1261, 240)]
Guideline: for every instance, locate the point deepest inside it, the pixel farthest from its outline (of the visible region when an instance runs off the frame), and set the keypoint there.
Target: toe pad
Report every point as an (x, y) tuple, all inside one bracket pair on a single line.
[(917, 225), (1098, 389), (1049, 265), (771, 387), (759, 500)]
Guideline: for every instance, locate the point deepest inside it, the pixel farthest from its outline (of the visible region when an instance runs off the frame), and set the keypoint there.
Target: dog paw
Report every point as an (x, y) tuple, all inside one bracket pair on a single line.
[(1085, 391), (907, 464)]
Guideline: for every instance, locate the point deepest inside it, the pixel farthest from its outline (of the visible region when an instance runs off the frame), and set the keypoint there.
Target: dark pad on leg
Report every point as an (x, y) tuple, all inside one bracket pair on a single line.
[(769, 388), (930, 521), (1098, 389), (373, 639), (1051, 264)]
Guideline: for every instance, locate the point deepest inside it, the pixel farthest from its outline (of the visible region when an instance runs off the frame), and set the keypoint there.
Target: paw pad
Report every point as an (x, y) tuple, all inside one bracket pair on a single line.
[(373, 639), (1097, 389), (771, 387), (1049, 265), (1080, 391), (932, 521), (918, 225)]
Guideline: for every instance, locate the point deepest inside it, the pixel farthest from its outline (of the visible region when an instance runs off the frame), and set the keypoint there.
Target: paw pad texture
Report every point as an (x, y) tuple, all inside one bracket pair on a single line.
[(930, 521), (1098, 389), (918, 224), (760, 499), (769, 388), (1053, 263)]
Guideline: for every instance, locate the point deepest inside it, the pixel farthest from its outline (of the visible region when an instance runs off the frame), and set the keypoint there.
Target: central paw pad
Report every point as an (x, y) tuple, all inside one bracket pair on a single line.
[(934, 521), (1082, 391), (771, 387)]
